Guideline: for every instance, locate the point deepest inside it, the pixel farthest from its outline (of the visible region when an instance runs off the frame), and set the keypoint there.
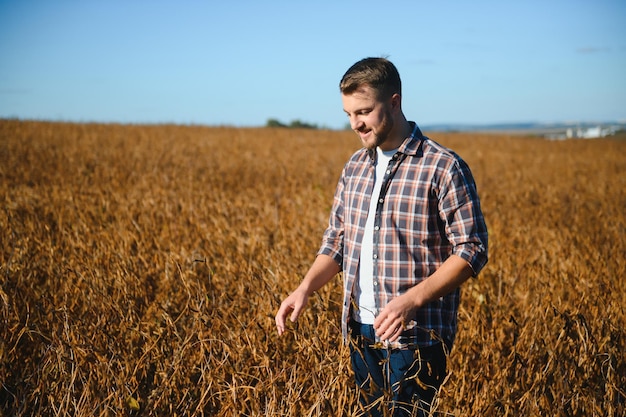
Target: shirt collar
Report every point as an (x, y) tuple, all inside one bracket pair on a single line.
[(413, 144)]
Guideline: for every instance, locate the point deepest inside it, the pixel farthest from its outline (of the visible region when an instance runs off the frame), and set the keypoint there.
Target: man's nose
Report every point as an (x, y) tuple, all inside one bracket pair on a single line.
[(355, 124)]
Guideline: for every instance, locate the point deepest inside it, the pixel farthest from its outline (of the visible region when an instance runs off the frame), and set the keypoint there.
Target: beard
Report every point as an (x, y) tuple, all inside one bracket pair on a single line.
[(381, 134)]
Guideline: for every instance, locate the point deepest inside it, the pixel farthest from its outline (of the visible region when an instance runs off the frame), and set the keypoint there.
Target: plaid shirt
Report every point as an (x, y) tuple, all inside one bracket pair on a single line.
[(428, 209)]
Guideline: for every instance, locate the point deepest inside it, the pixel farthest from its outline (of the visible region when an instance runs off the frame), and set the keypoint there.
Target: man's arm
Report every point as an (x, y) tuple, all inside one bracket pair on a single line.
[(448, 277), (324, 268)]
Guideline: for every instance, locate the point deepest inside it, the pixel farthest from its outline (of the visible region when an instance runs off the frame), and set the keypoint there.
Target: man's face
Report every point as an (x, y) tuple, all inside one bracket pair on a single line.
[(370, 118)]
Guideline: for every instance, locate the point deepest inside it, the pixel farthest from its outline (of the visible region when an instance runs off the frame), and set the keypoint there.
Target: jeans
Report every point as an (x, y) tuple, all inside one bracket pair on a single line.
[(395, 382)]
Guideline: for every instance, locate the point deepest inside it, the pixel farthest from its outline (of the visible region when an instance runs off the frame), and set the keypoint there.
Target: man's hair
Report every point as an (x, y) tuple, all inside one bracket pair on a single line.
[(378, 73)]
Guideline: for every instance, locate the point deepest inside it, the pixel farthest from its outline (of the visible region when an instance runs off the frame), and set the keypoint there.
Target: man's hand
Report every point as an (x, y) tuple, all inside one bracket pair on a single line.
[(322, 270), (394, 318), (293, 304)]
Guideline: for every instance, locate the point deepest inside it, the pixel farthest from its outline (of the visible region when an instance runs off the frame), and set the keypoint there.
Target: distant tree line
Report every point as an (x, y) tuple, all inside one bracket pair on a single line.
[(295, 124)]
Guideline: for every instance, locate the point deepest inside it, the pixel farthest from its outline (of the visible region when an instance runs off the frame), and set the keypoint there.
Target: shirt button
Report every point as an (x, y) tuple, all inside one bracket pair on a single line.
[(380, 200), (376, 283), (376, 227), (375, 256)]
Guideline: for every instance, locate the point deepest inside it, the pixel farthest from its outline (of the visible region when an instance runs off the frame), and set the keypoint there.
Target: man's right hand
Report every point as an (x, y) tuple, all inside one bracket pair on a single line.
[(322, 271), (293, 304)]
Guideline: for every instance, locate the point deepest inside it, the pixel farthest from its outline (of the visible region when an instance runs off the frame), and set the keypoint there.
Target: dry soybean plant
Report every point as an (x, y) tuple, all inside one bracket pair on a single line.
[(141, 267)]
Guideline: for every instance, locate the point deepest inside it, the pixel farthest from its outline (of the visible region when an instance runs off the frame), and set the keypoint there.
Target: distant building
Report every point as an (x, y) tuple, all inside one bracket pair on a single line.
[(590, 132)]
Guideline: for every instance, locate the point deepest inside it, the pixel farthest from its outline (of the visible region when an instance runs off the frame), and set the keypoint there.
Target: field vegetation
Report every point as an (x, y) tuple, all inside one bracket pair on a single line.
[(141, 268)]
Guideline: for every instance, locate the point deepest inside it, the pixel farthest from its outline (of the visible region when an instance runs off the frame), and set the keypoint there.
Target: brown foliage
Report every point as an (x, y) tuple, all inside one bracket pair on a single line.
[(141, 267)]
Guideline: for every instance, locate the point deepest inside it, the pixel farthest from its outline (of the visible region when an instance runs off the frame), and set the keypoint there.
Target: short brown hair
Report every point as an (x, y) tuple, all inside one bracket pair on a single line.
[(378, 73)]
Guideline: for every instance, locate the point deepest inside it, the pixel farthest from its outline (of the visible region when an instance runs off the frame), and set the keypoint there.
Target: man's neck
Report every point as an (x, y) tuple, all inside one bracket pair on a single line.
[(397, 136)]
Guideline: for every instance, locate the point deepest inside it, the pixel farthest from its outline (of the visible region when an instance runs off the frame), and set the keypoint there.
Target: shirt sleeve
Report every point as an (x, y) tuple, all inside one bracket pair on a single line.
[(332, 240), (461, 214)]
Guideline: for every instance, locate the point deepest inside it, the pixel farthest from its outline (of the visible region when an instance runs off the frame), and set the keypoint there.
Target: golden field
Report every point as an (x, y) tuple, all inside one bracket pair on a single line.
[(141, 268)]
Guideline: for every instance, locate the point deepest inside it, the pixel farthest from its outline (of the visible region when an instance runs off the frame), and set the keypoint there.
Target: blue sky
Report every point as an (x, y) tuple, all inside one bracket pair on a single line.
[(243, 62)]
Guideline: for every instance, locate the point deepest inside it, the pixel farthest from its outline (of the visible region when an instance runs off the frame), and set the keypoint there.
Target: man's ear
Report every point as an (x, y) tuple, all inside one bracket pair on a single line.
[(396, 101)]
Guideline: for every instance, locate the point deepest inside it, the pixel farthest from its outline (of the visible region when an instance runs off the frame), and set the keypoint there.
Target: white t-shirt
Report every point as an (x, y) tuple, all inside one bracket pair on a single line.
[(364, 288)]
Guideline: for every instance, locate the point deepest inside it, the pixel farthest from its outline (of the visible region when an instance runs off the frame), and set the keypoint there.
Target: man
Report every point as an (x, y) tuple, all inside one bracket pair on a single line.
[(406, 229)]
